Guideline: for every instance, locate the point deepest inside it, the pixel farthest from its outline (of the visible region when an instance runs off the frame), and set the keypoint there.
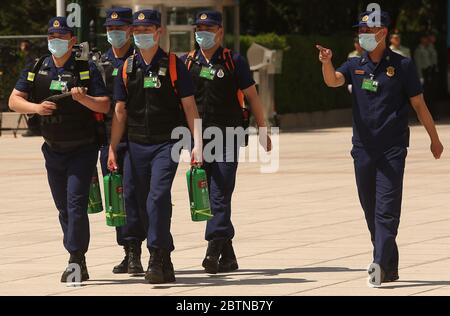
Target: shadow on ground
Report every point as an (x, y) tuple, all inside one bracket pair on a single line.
[(190, 278)]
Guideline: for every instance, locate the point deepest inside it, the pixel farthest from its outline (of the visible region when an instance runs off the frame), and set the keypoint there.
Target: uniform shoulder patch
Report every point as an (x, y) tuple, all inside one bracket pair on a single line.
[(31, 76)]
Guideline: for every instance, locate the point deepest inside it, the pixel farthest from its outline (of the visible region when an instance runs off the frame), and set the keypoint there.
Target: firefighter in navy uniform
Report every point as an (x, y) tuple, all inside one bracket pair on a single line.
[(384, 84), (70, 130), (222, 80), (130, 237), (154, 96)]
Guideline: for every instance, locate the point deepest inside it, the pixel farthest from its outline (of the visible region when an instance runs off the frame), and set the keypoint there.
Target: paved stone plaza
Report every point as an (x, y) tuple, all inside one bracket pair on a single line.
[(300, 231)]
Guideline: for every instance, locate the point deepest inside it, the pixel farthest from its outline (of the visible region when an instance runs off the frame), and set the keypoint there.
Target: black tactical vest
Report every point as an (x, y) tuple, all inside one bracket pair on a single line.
[(153, 113), (110, 77), (72, 125), (217, 99)]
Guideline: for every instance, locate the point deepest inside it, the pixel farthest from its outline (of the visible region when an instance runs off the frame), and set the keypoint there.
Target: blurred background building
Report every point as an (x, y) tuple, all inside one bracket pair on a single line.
[(292, 26)]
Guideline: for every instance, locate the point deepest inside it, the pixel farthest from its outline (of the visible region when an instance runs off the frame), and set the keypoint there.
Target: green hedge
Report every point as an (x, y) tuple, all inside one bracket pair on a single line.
[(300, 87)]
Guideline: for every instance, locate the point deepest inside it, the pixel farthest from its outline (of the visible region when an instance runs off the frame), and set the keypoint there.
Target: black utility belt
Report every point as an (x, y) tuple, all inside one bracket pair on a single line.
[(70, 146), (152, 140)]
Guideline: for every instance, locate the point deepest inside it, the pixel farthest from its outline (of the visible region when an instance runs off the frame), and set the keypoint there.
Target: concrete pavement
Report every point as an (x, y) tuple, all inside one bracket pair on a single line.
[(300, 231)]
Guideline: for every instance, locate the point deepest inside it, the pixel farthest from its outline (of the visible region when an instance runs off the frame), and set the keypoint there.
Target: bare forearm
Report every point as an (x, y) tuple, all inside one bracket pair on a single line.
[(97, 104), (329, 75), (191, 113), (21, 105), (427, 121), (118, 127), (257, 110), (256, 106)]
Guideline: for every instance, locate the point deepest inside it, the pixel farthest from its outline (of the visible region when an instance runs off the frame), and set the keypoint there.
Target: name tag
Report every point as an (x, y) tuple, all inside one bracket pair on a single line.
[(152, 82), (115, 72), (370, 85), (58, 86), (208, 73)]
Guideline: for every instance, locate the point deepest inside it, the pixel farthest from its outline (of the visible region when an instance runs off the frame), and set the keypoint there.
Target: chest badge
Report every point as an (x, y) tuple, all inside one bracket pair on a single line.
[(360, 72), (390, 72), (162, 71), (220, 74)]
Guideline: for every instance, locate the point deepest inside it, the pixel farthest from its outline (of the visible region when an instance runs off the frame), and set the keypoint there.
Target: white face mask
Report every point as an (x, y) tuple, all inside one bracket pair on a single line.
[(58, 47), (368, 41)]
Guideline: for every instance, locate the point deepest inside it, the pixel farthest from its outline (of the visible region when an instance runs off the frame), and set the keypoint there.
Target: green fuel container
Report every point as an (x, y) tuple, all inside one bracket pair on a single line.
[(199, 195), (95, 204), (114, 201)]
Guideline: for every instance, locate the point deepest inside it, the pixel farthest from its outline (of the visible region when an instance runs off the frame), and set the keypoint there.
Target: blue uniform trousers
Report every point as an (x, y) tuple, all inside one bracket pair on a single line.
[(222, 182), (134, 230), (69, 176), (379, 177), (154, 171)]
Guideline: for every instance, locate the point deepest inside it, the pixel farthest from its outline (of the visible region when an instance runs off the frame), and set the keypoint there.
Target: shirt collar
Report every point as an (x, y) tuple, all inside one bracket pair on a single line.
[(387, 55), (158, 56), (110, 54), (218, 56), (69, 65)]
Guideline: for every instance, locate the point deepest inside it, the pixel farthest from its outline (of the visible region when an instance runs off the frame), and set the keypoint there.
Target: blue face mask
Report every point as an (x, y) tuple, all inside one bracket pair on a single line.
[(58, 47), (368, 41), (205, 40), (117, 39), (144, 41)]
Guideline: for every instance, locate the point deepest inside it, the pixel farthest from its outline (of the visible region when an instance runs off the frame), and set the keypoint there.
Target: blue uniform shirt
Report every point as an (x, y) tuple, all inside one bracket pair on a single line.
[(242, 71), (96, 85), (117, 63), (185, 86), (380, 119)]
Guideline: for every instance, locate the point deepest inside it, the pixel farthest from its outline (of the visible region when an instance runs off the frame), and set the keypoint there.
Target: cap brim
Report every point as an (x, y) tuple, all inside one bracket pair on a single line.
[(208, 23), (364, 24), (146, 23), (117, 23), (59, 31)]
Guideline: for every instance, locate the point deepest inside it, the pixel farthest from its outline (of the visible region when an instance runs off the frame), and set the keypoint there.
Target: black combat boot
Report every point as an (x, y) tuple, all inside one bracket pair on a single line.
[(134, 258), (168, 270), (79, 259), (122, 268), (211, 262), (391, 276), (155, 273), (228, 262)]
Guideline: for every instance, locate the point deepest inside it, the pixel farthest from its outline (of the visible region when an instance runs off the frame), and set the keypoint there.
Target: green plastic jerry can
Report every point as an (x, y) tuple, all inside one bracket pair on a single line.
[(199, 195), (114, 200), (95, 197)]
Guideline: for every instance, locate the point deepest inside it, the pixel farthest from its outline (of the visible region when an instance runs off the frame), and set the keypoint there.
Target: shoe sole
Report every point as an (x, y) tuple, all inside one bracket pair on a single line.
[(371, 270), (82, 280), (228, 270), (153, 279), (135, 271), (170, 280), (210, 267)]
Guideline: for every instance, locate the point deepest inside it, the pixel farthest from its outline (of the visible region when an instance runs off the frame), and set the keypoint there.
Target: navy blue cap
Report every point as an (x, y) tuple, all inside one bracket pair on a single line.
[(119, 17), (210, 18), (59, 25), (367, 20), (147, 18)]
